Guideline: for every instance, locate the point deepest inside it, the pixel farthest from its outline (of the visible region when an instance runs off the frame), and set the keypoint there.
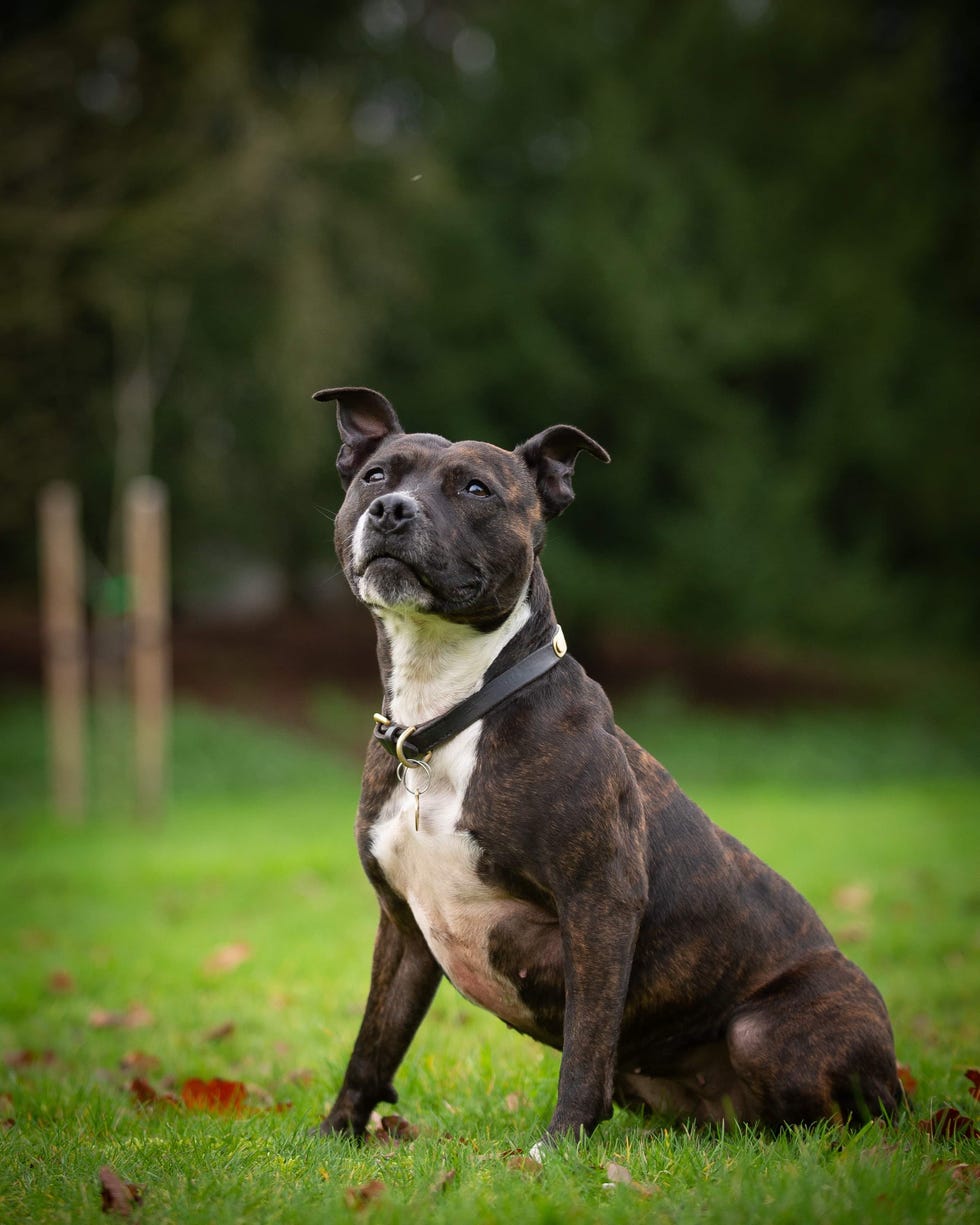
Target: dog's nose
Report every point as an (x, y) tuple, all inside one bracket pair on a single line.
[(392, 512)]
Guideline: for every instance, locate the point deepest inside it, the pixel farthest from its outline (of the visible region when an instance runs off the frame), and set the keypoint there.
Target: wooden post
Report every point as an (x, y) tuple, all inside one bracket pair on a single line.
[(63, 623), (147, 551)]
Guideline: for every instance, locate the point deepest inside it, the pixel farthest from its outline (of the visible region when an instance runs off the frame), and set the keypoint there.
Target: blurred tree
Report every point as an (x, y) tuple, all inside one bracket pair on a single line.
[(734, 239)]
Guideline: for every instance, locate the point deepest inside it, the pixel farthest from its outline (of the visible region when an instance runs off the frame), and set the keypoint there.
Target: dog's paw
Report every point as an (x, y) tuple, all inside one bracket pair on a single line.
[(537, 1151)]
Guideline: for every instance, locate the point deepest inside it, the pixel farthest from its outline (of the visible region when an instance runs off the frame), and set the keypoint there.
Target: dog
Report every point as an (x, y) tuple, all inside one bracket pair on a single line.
[(526, 848)]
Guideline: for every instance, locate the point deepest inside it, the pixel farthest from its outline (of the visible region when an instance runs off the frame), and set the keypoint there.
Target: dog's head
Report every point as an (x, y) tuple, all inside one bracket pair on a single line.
[(445, 528)]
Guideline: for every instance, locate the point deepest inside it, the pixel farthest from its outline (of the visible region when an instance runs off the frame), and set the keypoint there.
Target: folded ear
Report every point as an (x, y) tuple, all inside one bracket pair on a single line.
[(551, 457), (364, 418)]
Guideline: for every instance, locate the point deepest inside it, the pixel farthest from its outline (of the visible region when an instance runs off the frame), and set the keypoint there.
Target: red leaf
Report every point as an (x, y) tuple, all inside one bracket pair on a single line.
[(29, 1059), (216, 1096), (948, 1123), (359, 1197), (394, 1130), (143, 1091), (906, 1079), (973, 1076), (146, 1095), (118, 1197), (61, 982)]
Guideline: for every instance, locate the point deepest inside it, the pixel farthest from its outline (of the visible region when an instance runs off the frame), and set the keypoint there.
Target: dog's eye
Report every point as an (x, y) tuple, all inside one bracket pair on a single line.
[(373, 475), (477, 489)]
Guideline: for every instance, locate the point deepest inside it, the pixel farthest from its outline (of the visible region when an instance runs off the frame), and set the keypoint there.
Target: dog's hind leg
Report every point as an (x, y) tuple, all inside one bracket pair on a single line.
[(816, 1044)]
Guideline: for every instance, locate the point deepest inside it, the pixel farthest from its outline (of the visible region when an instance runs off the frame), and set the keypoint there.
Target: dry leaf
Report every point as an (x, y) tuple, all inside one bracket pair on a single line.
[(443, 1180), (216, 1096), (618, 1173), (118, 1197), (61, 982), (228, 957), (136, 1016), (906, 1079), (947, 1123), (853, 898), (224, 1030), (973, 1076), (359, 1197), (513, 1102), (29, 1059), (139, 1061), (6, 1111), (524, 1165), (393, 1129)]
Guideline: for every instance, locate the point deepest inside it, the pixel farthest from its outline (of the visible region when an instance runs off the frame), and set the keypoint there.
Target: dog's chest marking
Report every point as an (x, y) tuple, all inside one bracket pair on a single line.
[(435, 868)]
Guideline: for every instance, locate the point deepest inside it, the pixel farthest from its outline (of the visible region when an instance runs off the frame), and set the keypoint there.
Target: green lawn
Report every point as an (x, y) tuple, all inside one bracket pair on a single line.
[(877, 819)]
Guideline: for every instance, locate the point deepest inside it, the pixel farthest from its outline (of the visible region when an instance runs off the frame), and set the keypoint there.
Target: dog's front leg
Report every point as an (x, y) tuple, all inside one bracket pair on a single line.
[(598, 954), (404, 978), (599, 922)]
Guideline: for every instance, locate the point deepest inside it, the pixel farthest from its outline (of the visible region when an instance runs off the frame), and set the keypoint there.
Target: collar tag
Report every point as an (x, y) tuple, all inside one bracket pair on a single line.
[(558, 643)]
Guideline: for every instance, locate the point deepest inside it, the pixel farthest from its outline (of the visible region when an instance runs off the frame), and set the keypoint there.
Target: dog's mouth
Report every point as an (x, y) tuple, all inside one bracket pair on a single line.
[(388, 563)]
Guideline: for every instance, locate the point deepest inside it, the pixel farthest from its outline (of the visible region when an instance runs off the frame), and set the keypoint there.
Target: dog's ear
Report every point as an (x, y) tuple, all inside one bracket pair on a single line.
[(551, 457), (364, 418)]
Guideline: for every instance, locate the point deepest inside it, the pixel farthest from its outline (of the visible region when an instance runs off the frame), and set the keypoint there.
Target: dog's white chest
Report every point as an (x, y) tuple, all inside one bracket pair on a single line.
[(434, 869)]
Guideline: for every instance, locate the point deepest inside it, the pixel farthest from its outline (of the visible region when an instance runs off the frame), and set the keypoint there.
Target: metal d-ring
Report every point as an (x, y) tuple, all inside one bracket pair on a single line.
[(408, 762)]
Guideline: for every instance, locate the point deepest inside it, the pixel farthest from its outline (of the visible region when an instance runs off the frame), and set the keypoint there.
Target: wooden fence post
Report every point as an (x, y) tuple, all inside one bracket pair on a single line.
[(63, 622), (147, 563)]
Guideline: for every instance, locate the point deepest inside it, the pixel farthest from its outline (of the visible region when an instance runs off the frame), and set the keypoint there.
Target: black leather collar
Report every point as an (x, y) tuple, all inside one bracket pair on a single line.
[(414, 743)]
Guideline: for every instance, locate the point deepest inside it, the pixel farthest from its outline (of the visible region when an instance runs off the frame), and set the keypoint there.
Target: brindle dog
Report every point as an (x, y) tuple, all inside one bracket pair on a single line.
[(557, 875)]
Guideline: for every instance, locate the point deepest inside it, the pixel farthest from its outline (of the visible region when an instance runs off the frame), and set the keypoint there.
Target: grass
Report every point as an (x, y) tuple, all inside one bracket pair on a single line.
[(875, 818)]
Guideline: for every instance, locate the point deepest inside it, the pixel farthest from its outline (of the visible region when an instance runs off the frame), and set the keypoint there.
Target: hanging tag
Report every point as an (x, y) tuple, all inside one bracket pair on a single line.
[(404, 776)]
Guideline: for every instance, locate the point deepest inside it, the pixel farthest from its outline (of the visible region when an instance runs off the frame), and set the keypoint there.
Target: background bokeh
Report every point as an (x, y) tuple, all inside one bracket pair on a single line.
[(734, 240)]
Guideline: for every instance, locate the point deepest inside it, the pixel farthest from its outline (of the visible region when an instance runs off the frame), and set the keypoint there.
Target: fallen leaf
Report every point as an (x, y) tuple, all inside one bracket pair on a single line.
[(513, 1102), (143, 1091), (973, 1076), (136, 1016), (224, 1030), (359, 1197), (29, 1059), (6, 1111), (216, 1096), (524, 1165), (949, 1122), (853, 933), (618, 1173), (302, 1076), (118, 1197), (146, 1095), (227, 958), (61, 982), (139, 1061), (906, 1079), (444, 1178), (853, 898), (393, 1129)]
